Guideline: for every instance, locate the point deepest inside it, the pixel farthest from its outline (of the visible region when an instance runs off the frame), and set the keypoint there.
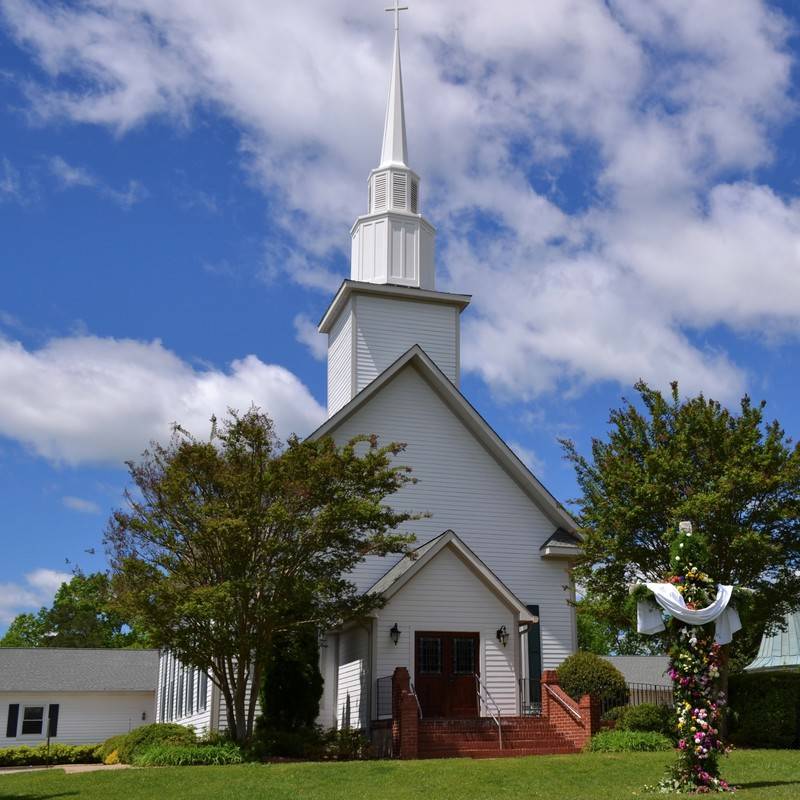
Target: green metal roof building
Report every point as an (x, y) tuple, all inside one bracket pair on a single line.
[(780, 650)]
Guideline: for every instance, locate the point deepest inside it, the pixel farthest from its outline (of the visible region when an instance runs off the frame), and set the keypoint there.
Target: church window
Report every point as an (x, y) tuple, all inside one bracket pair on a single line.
[(430, 655), (463, 656)]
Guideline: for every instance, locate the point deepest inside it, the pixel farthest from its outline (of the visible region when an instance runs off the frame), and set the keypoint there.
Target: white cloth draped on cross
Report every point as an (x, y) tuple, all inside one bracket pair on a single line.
[(649, 619)]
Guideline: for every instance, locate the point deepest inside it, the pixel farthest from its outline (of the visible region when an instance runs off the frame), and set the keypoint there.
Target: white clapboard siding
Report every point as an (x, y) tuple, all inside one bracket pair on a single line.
[(465, 489), (352, 687), (446, 595), (340, 363), (386, 328), (83, 717)]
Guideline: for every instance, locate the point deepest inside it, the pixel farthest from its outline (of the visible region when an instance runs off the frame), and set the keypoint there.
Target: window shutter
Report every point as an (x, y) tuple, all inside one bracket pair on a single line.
[(535, 657), (13, 720), (52, 717)]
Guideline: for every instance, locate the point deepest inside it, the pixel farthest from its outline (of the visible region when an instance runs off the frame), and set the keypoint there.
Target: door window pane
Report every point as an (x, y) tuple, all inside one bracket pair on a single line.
[(463, 656), (430, 655), (32, 720)]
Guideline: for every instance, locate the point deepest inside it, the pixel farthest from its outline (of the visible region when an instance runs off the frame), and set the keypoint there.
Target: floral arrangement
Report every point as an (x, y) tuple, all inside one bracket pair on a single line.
[(694, 670)]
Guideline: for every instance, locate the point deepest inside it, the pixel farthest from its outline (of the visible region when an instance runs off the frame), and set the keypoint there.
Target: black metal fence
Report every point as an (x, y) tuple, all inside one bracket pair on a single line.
[(384, 697), (639, 693)]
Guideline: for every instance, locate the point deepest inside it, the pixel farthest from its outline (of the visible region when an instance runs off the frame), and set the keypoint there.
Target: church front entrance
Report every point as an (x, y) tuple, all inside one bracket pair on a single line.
[(446, 664)]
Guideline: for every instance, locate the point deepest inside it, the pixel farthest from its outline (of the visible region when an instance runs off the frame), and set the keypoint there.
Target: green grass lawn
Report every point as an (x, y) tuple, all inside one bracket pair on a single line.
[(773, 774)]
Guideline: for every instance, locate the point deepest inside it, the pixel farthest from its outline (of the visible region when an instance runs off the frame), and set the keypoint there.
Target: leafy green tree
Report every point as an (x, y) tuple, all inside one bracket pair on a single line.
[(292, 681), (26, 630), (736, 477), (83, 614), (598, 633), (224, 541)]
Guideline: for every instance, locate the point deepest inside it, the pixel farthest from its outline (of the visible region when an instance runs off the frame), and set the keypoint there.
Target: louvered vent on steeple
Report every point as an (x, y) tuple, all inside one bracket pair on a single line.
[(399, 184), (379, 195), (414, 196)]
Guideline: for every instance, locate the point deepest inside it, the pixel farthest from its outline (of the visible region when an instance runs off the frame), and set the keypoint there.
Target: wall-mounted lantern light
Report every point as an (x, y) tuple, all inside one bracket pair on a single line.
[(502, 635), (394, 633)]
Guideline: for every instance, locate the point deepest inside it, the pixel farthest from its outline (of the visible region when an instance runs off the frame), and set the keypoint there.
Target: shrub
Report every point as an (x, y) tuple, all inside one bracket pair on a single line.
[(586, 673), (647, 717), (301, 743), (628, 742), (103, 752), (765, 709), (346, 744), (614, 713), (157, 733), (181, 755), (25, 756)]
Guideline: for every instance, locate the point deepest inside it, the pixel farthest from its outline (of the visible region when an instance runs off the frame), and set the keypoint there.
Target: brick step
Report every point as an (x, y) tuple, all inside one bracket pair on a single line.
[(442, 744), (506, 752)]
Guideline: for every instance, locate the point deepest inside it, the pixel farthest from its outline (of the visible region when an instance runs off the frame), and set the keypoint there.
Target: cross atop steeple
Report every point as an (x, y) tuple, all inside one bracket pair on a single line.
[(397, 8)]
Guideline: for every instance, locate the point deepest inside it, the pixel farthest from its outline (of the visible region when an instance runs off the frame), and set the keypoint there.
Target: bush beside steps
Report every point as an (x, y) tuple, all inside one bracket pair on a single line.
[(628, 742)]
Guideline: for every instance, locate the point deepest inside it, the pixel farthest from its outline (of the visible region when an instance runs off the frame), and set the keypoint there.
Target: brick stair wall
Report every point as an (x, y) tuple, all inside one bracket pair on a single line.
[(564, 727)]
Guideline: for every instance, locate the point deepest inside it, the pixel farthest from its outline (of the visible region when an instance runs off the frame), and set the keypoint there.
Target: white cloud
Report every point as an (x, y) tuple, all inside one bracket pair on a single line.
[(70, 176), (37, 590), (10, 187), (306, 333), (660, 112), (86, 399), (80, 505)]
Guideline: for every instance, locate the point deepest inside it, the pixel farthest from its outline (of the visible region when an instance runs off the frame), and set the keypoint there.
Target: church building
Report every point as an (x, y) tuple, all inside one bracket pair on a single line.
[(482, 608)]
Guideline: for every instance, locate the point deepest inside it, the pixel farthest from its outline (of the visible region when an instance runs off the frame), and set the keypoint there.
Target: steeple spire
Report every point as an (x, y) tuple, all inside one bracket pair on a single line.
[(395, 149)]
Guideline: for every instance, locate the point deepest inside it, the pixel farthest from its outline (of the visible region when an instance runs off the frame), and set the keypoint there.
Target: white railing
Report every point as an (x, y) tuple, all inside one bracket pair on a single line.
[(414, 692), (564, 704), (480, 688)]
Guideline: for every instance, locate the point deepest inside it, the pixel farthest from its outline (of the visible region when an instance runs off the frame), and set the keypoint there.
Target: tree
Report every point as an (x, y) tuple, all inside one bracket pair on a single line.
[(26, 630), (226, 540), (597, 634), (82, 615), (734, 476), (292, 681)]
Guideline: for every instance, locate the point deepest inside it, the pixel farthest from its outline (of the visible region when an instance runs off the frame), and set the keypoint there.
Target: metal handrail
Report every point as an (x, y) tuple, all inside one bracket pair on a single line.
[(563, 703), (414, 692), (480, 685)]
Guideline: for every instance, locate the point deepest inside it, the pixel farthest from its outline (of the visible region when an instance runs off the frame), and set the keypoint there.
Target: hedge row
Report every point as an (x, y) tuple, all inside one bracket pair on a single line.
[(628, 742), (176, 755), (125, 748), (40, 755), (765, 709)]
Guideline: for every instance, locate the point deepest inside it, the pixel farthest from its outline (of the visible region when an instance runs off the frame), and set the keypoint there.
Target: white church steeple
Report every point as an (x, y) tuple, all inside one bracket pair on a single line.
[(393, 242), (390, 304)]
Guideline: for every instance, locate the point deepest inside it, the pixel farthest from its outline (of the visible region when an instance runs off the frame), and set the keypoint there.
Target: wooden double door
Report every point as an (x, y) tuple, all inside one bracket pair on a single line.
[(446, 664)]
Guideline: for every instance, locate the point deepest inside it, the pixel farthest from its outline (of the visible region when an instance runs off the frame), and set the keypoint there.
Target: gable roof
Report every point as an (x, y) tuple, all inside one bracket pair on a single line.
[(562, 544), (62, 669), (418, 359), (410, 564)]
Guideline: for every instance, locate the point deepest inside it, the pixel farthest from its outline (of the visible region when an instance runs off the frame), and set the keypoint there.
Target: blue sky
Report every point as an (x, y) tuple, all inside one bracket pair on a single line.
[(616, 183)]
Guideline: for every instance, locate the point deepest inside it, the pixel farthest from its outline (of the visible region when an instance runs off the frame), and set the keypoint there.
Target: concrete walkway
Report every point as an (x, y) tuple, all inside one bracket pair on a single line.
[(68, 768)]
